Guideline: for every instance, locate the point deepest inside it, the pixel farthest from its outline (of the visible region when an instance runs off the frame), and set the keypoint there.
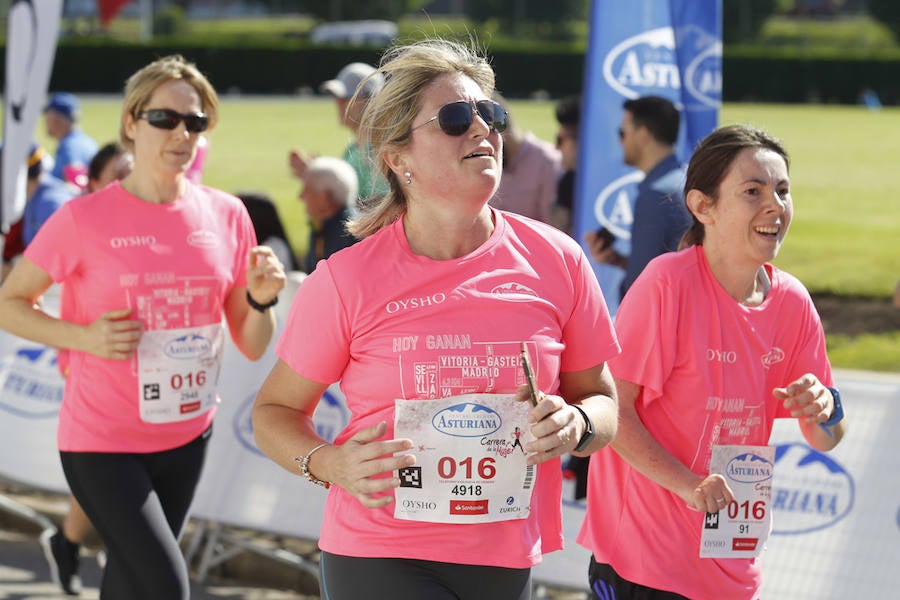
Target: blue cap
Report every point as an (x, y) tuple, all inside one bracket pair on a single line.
[(65, 104)]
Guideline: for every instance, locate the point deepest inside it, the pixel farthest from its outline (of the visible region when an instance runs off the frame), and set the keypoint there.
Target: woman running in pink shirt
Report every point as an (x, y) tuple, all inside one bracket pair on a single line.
[(423, 323), (150, 266), (716, 344)]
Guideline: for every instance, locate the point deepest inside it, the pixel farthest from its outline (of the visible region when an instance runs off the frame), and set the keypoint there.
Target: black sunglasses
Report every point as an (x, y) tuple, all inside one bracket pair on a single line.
[(456, 118), (166, 118)]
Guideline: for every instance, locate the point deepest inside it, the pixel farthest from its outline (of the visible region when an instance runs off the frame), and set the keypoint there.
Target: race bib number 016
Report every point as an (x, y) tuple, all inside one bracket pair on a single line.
[(177, 372), (470, 459), (741, 529)]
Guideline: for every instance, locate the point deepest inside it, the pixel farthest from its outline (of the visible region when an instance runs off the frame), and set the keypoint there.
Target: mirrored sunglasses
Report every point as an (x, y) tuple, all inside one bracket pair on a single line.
[(455, 118), (166, 118)]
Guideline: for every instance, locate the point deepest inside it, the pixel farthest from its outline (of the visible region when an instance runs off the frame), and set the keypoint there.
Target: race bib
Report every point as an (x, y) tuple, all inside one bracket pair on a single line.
[(177, 372), (470, 459), (741, 529)]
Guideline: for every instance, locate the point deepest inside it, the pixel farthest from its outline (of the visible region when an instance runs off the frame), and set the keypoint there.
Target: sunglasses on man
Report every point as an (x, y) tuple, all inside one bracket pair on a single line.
[(455, 118), (168, 119)]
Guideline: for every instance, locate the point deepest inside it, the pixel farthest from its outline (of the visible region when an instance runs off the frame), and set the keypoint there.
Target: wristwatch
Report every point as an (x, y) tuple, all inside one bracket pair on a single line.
[(588, 436), (837, 415)]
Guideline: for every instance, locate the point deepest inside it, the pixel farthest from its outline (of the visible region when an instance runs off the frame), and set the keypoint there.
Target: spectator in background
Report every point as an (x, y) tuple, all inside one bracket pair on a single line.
[(111, 162), (75, 148), (329, 195), (44, 194), (531, 169), (648, 133), (268, 226), (352, 88), (568, 118)]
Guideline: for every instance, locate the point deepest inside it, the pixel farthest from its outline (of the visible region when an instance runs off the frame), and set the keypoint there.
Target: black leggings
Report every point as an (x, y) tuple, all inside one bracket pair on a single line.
[(351, 578), (606, 584), (138, 504)]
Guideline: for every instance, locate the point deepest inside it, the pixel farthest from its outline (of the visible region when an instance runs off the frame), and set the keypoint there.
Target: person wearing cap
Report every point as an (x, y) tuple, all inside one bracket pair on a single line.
[(75, 148), (352, 88)]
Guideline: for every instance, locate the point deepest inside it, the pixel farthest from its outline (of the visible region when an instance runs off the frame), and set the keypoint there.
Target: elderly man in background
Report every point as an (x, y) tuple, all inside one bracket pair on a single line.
[(329, 193)]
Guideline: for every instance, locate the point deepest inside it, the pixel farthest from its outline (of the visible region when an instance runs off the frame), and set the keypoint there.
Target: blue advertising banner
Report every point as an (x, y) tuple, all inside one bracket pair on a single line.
[(668, 48)]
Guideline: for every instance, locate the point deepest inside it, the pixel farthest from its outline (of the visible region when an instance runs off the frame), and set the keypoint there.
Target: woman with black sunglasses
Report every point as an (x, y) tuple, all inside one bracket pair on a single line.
[(424, 321), (151, 264)]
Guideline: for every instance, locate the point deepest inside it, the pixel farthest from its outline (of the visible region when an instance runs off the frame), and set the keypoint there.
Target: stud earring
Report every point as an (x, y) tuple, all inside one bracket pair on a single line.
[(408, 176)]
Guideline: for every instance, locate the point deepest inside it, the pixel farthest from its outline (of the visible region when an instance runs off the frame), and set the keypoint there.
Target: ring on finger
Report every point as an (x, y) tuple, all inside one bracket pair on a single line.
[(720, 500)]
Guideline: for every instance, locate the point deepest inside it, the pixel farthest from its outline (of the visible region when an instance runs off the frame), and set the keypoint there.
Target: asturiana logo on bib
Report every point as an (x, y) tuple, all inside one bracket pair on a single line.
[(467, 420), (749, 468), (188, 346)]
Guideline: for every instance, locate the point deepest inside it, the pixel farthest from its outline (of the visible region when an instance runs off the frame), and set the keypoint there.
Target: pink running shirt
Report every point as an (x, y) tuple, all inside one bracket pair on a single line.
[(707, 365), (391, 324), (174, 264)]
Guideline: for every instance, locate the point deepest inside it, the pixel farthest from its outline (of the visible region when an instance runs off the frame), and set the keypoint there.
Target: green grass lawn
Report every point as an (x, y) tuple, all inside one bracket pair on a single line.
[(846, 228)]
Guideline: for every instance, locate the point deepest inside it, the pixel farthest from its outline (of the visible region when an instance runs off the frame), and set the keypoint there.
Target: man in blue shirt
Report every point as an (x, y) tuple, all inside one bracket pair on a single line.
[(76, 148), (44, 194), (648, 133)]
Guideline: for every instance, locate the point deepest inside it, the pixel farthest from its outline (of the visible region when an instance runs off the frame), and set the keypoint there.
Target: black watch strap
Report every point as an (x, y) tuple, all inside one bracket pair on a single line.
[(588, 436)]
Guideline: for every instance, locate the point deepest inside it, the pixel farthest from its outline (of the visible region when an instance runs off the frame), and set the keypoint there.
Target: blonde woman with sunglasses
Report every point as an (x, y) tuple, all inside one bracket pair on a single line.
[(446, 483), (151, 265)]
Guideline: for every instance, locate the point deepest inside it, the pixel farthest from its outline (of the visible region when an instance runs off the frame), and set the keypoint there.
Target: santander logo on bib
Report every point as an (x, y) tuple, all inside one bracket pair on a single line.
[(467, 420)]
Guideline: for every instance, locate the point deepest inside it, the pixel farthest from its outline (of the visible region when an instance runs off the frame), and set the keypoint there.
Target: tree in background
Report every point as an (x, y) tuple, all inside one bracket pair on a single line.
[(888, 13), (528, 17), (743, 19), (351, 10)]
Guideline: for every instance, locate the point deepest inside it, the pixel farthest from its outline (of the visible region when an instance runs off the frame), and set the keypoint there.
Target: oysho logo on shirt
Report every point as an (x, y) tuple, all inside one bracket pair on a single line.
[(411, 303), (514, 292), (203, 238), (132, 241)]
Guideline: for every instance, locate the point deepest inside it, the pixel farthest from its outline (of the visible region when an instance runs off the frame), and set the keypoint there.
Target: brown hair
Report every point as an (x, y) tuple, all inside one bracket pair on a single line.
[(711, 161), (141, 85), (387, 119)]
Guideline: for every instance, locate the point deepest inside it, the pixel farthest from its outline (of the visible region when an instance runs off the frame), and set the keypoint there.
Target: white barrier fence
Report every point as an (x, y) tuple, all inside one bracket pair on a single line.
[(836, 515)]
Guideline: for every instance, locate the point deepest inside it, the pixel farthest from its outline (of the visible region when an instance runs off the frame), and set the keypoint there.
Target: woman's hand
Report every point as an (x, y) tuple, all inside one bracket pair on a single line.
[(359, 464), (113, 335), (265, 275), (556, 426), (807, 399), (711, 494)]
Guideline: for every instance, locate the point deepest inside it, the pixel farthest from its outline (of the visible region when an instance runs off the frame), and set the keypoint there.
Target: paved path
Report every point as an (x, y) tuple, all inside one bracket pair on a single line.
[(24, 575)]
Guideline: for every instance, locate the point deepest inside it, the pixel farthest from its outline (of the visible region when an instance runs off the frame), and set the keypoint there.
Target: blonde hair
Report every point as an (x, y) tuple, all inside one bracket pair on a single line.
[(387, 120), (140, 87)]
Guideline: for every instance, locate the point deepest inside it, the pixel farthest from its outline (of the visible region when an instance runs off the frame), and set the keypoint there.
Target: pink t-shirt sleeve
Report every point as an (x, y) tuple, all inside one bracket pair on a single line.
[(316, 334), (589, 332)]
